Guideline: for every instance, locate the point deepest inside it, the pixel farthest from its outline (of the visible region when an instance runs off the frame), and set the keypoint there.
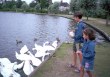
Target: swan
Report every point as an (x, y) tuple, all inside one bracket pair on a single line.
[(4, 61), (5, 72), (22, 57), (7, 69), (41, 54), (18, 66), (53, 46), (24, 49), (28, 68), (37, 47), (35, 61)]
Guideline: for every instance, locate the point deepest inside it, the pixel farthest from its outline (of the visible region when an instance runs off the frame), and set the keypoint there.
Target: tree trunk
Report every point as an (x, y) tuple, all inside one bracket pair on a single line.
[(107, 19), (87, 17)]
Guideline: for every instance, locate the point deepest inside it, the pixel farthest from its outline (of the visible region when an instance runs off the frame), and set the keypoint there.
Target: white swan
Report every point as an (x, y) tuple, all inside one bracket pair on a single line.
[(18, 66), (41, 54), (38, 47), (7, 70), (35, 61), (22, 57), (28, 69), (5, 61), (53, 46), (24, 49)]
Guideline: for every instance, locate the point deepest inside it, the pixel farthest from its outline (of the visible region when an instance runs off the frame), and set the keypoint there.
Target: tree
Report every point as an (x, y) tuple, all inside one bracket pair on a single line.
[(19, 3), (105, 4), (73, 5), (43, 3), (24, 6), (37, 7), (54, 8), (87, 6), (33, 4)]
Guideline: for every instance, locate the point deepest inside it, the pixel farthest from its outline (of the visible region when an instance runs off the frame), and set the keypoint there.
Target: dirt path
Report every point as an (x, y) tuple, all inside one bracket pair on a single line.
[(59, 67)]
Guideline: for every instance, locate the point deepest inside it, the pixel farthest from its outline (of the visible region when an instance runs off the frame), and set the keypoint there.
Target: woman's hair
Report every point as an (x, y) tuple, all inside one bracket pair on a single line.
[(90, 33)]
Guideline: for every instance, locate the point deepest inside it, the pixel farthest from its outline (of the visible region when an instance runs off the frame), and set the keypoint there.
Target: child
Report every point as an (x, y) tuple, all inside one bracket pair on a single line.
[(78, 39), (88, 52)]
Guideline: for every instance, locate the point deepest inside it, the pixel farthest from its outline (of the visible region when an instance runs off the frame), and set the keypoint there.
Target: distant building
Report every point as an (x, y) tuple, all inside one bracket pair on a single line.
[(64, 6)]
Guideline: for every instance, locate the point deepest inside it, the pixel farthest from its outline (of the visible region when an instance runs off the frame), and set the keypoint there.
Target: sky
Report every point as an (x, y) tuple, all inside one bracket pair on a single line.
[(28, 1)]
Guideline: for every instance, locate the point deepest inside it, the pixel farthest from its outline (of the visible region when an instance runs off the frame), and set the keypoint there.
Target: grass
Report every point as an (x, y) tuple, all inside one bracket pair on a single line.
[(102, 62)]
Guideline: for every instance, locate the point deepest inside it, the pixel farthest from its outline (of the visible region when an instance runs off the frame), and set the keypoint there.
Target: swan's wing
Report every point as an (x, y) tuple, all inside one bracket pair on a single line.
[(36, 62), (24, 49), (28, 68), (18, 66)]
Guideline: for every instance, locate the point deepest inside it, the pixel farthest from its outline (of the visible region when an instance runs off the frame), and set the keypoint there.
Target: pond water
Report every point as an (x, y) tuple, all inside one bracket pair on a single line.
[(26, 27)]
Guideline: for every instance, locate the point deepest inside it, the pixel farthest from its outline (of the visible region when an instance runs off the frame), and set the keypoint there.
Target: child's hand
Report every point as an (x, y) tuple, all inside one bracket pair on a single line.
[(79, 52), (71, 34)]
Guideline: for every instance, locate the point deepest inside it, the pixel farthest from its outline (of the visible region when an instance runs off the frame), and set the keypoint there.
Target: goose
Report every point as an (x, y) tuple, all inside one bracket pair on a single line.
[(28, 68), (24, 49), (35, 61)]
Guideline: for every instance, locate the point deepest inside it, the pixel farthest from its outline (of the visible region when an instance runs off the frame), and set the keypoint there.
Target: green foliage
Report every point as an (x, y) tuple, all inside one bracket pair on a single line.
[(24, 6), (74, 5), (105, 4), (19, 3), (54, 8), (37, 7), (87, 6), (32, 4), (100, 13), (0, 6)]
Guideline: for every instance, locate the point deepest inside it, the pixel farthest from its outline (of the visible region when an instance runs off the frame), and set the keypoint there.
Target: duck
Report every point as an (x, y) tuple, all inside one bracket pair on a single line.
[(35, 39), (18, 41)]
